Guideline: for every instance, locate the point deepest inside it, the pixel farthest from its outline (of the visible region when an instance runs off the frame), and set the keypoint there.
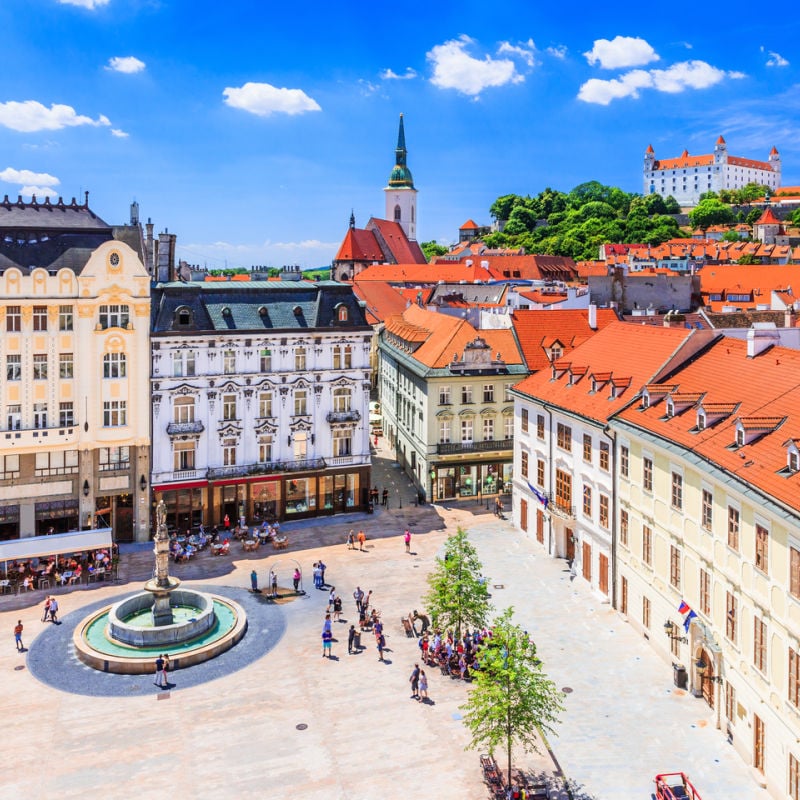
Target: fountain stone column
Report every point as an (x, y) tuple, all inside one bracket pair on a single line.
[(161, 584)]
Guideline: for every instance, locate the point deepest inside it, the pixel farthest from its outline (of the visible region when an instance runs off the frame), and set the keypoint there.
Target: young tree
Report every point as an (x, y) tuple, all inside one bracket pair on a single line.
[(432, 249), (511, 698), (458, 597)]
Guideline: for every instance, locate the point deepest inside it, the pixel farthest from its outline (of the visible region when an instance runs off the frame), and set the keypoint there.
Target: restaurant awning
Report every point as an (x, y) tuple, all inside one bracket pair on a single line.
[(38, 546)]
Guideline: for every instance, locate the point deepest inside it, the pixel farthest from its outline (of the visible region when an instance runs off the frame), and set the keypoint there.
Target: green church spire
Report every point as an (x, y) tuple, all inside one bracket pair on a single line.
[(401, 174)]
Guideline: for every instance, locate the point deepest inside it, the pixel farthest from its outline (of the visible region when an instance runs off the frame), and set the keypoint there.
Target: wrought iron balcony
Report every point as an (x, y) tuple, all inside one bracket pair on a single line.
[(559, 507), (455, 448), (343, 416), (175, 428), (266, 468)]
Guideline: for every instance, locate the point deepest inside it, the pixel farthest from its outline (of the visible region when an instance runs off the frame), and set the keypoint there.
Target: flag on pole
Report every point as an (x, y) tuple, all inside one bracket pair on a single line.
[(542, 498), (688, 621), (683, 608)]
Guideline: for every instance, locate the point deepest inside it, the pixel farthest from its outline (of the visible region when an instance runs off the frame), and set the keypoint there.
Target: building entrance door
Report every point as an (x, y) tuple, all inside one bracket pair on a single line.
[(586, 561), (708, 679), (570, 547)]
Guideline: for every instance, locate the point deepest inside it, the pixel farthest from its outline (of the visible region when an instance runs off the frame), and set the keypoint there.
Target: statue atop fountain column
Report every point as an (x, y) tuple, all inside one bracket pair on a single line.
[(161, 584)]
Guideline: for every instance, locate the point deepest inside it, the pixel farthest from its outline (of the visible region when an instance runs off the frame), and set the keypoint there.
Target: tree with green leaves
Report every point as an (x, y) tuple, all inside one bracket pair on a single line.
[(432, 249), (458, 597), (511, 697), (710, 211)]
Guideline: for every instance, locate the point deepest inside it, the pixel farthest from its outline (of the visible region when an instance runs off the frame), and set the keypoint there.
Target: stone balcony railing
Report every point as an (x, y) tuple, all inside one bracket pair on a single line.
[(268, 468), (456, 448), (175, 428), (343, 416)]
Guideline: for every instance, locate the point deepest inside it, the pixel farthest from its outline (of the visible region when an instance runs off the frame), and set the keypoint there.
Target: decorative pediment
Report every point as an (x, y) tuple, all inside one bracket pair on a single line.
[(186, 389), (301, 424), (229, 428), (265, 425)]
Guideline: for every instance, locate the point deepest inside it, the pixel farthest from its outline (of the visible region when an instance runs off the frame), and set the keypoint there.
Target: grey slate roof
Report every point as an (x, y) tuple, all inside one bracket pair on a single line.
[(254, 306), (49, 216)]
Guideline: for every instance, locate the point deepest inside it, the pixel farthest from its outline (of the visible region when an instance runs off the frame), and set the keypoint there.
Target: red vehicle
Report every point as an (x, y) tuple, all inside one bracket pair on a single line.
[(675, 786)]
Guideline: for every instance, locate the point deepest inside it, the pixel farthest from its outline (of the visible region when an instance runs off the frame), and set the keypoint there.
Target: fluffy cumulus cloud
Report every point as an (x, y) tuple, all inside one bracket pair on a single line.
[(677, 78), (774, 59), (557, 51), (40, 191), (91, 5), (621, 52), (127, 64), (455, 68), (120, 134), (524, 50), (391, 75), (11, 175), (263, 99), (30, 116)]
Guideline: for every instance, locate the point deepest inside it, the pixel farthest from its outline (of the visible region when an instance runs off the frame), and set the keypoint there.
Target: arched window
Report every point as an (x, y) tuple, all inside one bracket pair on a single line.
[(342, 314), (397, 213), (184, 316), (114, 365)]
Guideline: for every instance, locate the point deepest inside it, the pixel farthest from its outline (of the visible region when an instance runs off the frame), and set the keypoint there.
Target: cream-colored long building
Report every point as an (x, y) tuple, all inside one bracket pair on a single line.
[(74, 395)]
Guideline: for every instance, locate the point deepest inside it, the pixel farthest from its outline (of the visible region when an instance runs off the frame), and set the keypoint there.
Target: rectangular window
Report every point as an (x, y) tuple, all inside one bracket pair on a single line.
[(540, 426), (647, 474), (466, 431), (40, 415), (587, 500), (587, 448), (564, 436), (114, 458), (444, 431), (300, 402), (229, 362), (733, 527), (265, 360), (794, 778), (759, 743), (524, 420), (341, 399), (265, 450), (794, 678), (647, 545), (564, 490), (444, 395), (114, 316), (13, 318), (40, 318), (540, 472), (488, 393), (507, 396), (794, 572), (183, 410), (182, 456), (229, 452), (646, 612), (675, 566), (676, 497), (114, 365), (730, 702), (115, 413), (524, 464), (623, 599), (604, 456), (508, 427), (759, 644), (624, 526), (731, 614), (40, 367), (762, 548), (14, 368), (488, 430), (65, 365), (300, 359), (466, 394), (341, 443), (624, 461), (706, 516), (705, 592), (65, 318), (229, 407), (13, 417), (604, 516), (183, 364), (59, 462), (265, 404), (66, 415), (10, 467)]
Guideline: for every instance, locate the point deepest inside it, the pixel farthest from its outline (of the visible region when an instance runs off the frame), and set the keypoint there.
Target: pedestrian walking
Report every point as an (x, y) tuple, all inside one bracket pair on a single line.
[(381, 644), (362, 537), (18, 636), (327, 643), (385, 497), (498, 507), (366, 601), (322, 569), (351, 539), (358, 596), (274, 583), (407, 540), (326, 626), (46, 612), (254, 580), (351, 636), (331, 598), (227, 523), (159, 678), (53, 610), (423, 684), (414, 681), (337, 608), (296, 579)]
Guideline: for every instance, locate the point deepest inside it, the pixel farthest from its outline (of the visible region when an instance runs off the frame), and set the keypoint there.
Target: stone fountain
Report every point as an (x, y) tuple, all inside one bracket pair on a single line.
[(162, 584)]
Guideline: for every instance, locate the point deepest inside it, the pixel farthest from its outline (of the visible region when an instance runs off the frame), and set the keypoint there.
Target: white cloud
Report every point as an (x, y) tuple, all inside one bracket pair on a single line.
[(127, 64), (776, 60), (263, 99), (89, 4), (389, 75), (40, 191), (454, 68), (11, 175), (120, 134), (557, 51), (31, 115), (524, 50), (621, 51), (677, 78)]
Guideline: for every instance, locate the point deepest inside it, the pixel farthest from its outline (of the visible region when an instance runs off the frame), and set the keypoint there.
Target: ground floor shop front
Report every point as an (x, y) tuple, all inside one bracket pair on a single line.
[(263, 497), (468, 480)]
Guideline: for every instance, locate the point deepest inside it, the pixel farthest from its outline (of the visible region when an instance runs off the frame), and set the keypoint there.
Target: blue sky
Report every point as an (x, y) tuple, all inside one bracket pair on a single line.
[(250, 129)]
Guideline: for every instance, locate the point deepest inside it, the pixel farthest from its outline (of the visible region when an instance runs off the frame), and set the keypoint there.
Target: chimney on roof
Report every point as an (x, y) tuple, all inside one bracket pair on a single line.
[(593, 316), (788, 317), (761, 339)]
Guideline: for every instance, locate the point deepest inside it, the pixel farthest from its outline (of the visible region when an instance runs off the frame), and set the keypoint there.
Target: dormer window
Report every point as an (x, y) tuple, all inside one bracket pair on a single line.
[(556, 351), (740, 437), (645, 400), (184, 317), (701, 421), (794, 461), (670, 408), (341, 313)]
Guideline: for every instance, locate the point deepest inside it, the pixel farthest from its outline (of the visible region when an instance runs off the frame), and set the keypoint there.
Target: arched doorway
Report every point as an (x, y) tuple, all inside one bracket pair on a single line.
[(706, 675)]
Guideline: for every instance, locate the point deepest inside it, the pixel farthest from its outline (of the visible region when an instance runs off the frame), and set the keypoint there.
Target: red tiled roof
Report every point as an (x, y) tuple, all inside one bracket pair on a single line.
[(359, 245), (538, 330), (469, 225), (403, 250), (768, 218), (425, 274), (684, 161), (382, 300)]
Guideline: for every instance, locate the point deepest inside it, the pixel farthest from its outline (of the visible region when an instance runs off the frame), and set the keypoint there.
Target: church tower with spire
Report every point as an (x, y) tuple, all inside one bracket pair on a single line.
[(401, 196)]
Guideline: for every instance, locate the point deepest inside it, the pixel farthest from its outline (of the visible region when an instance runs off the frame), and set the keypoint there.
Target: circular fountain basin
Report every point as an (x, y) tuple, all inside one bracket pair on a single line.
[(95, 647), (130, 620)]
